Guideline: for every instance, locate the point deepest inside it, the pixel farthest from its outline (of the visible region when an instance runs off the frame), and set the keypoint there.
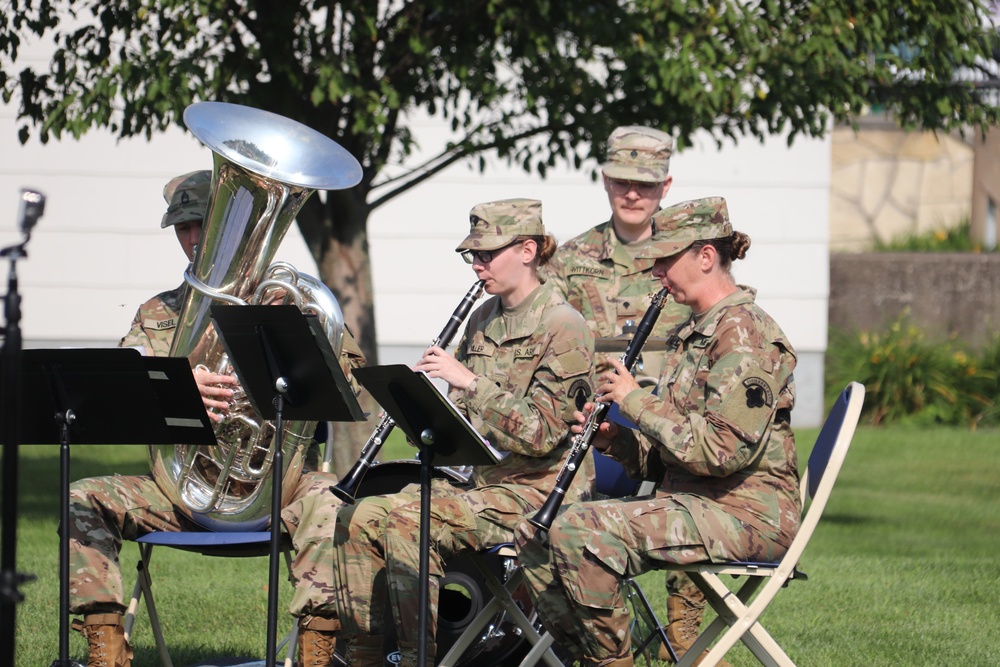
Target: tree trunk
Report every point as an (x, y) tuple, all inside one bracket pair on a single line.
[(337, 233)]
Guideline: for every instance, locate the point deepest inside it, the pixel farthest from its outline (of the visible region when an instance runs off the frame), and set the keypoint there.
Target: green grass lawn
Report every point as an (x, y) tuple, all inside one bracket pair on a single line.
[(904, 568)]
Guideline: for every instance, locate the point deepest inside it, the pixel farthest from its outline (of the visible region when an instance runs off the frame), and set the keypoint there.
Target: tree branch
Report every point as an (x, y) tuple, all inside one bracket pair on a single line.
[(447, 158)]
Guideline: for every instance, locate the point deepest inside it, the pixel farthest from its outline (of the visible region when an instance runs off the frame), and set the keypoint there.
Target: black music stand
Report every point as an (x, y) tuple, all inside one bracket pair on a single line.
[(444, 436), (77, 396), (289, 370)]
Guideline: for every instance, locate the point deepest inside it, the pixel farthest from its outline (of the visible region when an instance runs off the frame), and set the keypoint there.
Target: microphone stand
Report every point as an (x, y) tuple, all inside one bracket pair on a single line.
[(10, 579)]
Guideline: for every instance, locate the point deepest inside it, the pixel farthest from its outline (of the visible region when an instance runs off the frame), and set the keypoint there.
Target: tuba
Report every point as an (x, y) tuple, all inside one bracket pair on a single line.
[(265, 167)]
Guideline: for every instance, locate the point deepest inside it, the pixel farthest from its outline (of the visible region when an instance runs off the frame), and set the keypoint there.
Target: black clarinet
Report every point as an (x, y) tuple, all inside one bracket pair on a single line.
[(347, 488), (581, 442)]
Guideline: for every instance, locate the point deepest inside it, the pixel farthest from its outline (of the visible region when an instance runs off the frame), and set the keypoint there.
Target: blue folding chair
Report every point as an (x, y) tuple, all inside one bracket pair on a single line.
[(206, 543)]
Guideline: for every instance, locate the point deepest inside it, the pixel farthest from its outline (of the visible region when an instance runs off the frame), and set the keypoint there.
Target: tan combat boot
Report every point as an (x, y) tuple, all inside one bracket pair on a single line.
[(684, 624), (106, 643), (317, 641)]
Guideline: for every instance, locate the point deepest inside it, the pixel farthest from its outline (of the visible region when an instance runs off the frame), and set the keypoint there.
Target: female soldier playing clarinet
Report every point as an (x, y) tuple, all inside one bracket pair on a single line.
[(717, 432), (520, 372)]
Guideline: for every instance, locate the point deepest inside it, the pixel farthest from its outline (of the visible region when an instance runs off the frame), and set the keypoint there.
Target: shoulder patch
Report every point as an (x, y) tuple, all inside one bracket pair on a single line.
[(750, 404), (579, 392), (758, 393), (571, 363)]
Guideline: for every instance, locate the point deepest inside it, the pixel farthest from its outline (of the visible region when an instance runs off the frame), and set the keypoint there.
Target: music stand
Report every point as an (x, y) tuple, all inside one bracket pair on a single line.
[(289, 370), (77, 396), (431, 422)]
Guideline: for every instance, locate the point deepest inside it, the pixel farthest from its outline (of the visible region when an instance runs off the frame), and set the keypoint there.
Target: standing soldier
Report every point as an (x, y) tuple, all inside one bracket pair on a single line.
[(599, 273)]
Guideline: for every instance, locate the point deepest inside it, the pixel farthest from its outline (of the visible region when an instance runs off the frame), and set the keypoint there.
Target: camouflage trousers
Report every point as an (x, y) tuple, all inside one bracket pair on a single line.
[(577, 579), (105, 511), (377, 550)]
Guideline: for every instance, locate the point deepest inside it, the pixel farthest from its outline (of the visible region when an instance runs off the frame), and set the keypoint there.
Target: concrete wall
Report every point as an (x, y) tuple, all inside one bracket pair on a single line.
[(945, 294)]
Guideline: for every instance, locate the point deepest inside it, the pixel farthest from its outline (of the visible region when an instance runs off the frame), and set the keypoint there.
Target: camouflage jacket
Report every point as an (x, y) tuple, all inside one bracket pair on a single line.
[(718, 427), (598, 276), (533, 368), (155, 323)]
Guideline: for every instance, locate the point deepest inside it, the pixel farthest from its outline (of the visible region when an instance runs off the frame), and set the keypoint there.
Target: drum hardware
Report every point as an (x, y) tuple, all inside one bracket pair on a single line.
[(463, 592)]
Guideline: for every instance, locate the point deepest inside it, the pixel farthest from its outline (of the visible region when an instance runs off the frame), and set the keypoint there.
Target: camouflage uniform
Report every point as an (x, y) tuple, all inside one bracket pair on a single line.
[(533, 367), (599, 277), (104, 511), (717, 432)]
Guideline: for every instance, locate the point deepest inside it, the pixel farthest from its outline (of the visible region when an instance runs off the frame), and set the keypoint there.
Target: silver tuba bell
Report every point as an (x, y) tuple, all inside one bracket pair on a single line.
[(265, 168)]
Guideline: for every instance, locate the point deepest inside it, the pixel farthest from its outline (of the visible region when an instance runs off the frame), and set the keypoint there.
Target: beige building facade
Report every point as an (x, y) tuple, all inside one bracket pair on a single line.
[(888, 183)]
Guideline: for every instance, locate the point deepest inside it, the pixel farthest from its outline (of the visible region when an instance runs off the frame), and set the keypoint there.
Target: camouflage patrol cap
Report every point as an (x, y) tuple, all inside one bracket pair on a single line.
[(677, 227), (638, 153), (496, 224), (186, 197)]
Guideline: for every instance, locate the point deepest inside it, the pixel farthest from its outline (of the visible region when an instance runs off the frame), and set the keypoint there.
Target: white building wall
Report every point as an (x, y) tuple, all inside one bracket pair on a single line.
[(777, 195), (98, 251)]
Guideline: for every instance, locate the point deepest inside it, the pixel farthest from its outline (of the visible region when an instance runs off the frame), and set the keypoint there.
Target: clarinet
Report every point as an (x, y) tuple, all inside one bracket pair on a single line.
[(581, 442), (347, 488)]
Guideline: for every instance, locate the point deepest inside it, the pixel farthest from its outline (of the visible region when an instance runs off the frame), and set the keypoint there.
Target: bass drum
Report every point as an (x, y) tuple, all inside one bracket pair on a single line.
[(463, 592)]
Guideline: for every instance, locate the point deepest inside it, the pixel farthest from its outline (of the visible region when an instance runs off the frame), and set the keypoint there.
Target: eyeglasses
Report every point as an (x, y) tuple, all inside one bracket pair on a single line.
[(485, 256), (621, 186)]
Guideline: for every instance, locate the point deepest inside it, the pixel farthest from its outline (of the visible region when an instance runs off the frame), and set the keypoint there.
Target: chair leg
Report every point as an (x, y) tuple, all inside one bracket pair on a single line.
[(143, 589), (735, 622), (502, 600), (290, 640), (542, 650), (643, 614)]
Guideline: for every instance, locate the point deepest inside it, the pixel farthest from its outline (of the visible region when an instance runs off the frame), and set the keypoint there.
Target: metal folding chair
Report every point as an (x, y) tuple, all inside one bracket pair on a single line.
[(206, 543), (647, 631)]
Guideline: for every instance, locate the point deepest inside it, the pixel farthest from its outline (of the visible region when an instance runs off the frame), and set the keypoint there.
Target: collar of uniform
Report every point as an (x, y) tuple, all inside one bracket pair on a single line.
[(609, 241), (173, 299), (706, 324), (528, 324), (615, 251)]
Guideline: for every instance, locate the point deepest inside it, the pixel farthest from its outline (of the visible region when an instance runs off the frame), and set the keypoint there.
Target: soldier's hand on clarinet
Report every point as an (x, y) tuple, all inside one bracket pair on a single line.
[(215, 392), (606, 431), (439, 364), (614, 385)]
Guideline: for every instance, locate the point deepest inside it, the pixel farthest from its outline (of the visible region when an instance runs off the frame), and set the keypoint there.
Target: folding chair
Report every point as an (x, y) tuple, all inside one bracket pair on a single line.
[(612, 482), (737, 614), (206, 543)]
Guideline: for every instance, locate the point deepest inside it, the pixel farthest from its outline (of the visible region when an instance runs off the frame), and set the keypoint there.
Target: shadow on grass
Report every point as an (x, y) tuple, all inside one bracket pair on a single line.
[(849, 520), (39, 475)]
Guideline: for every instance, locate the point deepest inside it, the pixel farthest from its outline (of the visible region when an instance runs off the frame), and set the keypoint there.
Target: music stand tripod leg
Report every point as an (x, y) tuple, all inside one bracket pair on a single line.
[(426, 470), (64, 419), (277, 472)]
